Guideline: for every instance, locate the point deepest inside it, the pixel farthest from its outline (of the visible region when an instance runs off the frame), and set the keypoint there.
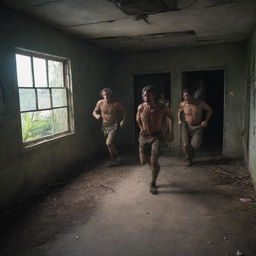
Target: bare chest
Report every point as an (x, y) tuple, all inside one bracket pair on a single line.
[(108, 108), (152, 115), (192, 109)]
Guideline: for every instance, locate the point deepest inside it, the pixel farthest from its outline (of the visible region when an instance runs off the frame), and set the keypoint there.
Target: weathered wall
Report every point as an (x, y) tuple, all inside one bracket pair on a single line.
[(23, 170), (251, 82), (230, 57)]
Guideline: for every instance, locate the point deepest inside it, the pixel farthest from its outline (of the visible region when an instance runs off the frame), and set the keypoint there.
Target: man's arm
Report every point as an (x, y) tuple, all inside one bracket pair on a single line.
[(208, 115), (124, 114), (96, 112), (138, 117), (170, 115), (170, 119), (179, 113)]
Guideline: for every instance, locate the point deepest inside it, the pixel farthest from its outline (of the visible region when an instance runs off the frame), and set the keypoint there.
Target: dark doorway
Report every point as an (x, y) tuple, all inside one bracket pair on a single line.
[(159, 80), (209, 87)]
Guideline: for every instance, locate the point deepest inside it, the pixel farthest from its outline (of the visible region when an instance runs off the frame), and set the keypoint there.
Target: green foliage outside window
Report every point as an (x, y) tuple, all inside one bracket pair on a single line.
[(35, 127)]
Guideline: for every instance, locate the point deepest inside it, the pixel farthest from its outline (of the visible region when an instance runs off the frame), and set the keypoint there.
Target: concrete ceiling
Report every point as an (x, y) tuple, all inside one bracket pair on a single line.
[(193, 22)]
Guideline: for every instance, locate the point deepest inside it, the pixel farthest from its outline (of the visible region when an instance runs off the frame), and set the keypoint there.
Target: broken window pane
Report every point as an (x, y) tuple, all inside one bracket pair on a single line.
[(24, 71), (27, 99), (40, 72), (55, 73), (59, 97), (43, 96), (36, 125), (60, 120)]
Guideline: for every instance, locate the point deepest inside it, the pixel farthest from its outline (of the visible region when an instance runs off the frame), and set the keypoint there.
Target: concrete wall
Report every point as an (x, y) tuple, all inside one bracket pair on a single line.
[(251, 82), (230, 57), (23, 170)]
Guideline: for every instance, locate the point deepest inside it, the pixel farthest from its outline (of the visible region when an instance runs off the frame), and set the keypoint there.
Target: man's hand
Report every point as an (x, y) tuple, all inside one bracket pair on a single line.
[(97, 111), (204, 124), (97, 116), (179, 122), (142, 133), (122, 123)]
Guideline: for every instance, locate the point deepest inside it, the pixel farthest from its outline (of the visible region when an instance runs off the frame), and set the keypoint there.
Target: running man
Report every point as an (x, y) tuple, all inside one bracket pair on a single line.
[(192, 126), (150, 118), (113, 116)]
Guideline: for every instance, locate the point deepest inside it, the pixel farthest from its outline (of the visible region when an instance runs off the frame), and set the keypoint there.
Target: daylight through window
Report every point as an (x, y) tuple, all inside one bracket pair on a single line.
[(44, 95)]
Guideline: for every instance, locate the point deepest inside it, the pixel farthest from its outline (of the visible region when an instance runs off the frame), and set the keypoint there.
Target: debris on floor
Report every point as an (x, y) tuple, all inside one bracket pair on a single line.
[(238, 253), (107, 188), (246, 200), (217, 197)]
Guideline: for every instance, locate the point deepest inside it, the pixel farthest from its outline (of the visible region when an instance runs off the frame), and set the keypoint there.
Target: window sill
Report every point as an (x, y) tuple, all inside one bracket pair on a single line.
[(32, 144)]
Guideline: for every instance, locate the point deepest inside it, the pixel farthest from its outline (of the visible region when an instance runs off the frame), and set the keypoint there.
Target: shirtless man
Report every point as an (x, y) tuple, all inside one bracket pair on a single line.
[(192, 126), (110, 111), (150, 117)]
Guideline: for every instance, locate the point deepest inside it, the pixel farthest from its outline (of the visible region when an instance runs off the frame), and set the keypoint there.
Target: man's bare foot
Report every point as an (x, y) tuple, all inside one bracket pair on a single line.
[(108, 164), (114, 156), (189, 162), (153, 188)]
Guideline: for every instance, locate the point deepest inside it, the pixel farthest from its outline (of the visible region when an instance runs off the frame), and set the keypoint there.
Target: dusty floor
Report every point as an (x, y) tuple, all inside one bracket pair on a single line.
[(200, 210)]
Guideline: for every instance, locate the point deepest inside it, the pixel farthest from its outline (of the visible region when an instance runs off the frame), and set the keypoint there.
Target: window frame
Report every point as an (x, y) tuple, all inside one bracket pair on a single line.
[(67, 84)]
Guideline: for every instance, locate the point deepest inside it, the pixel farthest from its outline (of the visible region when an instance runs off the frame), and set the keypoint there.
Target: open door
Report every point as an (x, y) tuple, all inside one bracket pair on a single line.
[(209, 87)]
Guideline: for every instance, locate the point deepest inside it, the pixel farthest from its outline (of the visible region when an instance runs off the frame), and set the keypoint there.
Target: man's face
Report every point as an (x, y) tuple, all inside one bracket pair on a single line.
[(148, 97), (186, 96), (106, 95)]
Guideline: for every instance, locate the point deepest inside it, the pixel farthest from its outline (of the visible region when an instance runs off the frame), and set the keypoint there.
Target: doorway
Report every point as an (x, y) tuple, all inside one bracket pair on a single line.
[(209, 87), (159, 80)]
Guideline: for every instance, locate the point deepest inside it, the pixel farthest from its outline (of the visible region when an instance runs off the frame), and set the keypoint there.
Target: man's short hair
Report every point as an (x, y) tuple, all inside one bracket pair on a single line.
[(106, 90), (187, 91), (153, 90)]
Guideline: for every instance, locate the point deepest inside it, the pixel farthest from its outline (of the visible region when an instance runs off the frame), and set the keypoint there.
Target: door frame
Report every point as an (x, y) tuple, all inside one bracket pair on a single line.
[(224, 69)]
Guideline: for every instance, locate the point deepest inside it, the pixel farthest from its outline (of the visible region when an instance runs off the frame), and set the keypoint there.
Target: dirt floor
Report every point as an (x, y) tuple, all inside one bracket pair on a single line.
[(207, 209)]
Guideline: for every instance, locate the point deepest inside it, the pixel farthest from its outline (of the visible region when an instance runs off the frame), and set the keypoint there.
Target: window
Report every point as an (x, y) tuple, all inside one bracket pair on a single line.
[(44, 85)]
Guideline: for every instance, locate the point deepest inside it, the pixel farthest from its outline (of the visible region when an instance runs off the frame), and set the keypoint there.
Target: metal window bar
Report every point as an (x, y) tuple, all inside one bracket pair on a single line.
[(45, 109), (47, 73), (22, 87), (66, 83), (33, 81)]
